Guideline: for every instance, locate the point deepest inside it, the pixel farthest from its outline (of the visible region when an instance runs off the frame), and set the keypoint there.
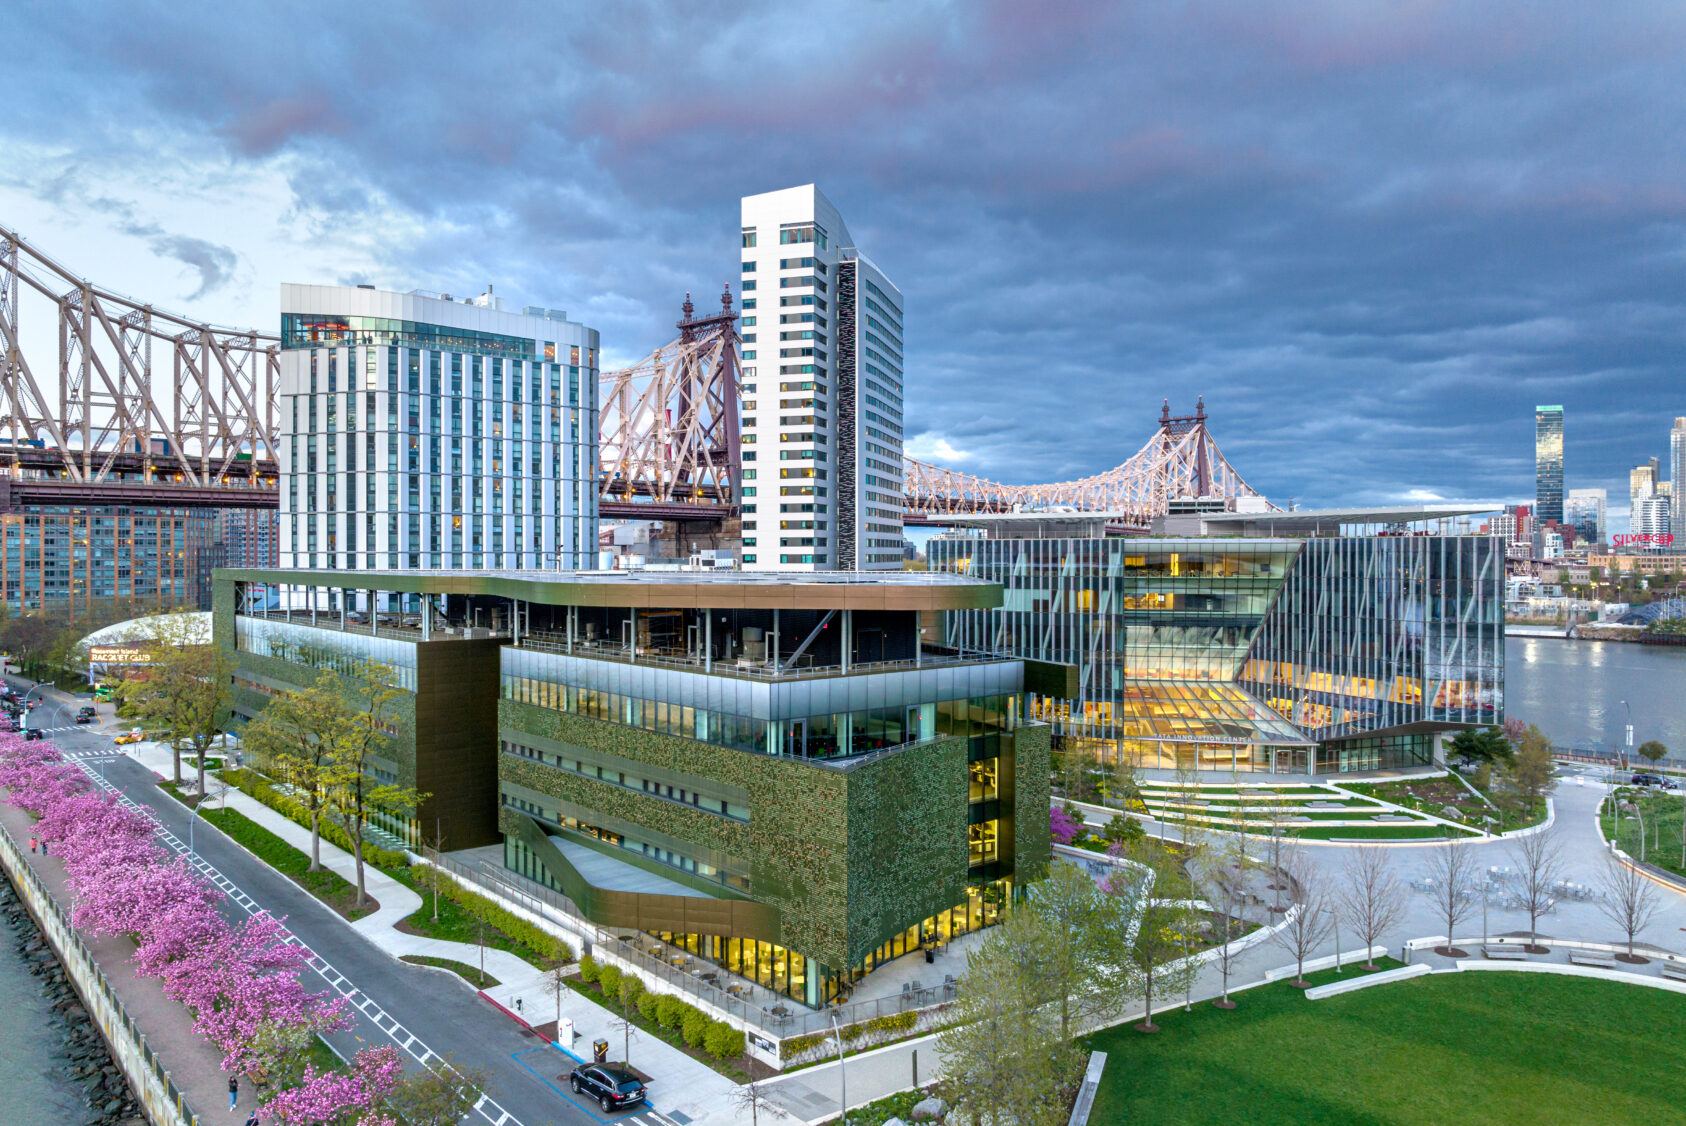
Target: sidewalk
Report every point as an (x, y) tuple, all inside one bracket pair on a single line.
[(680, 1087), (194, 1064), (397, 902)]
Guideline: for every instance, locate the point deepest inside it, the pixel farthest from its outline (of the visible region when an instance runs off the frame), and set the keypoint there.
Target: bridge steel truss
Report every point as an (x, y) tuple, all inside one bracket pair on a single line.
[(144, 404), (668, 426), (1180, 460)]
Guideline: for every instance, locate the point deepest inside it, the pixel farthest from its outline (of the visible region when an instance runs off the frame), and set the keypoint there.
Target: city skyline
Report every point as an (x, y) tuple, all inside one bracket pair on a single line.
[(1125, 265)]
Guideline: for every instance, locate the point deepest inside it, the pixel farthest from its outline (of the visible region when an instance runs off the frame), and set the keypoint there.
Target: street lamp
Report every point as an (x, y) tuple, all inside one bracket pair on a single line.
[(23, 714), (842, 1076)]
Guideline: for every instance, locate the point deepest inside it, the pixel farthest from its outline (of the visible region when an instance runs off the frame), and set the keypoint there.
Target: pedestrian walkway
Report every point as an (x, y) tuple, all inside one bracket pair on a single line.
[(680, 1087), (193, 1063), (397, 902)]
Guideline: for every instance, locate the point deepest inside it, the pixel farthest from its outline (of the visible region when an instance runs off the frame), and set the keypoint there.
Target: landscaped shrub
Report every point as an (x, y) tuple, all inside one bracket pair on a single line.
[(648, 1004), (853, 1032), (670, 1011), (722, 1041), (795, 1045), (588, 969), (631, 989), (256, 786), (521, 930), (893, 1024), (694, 1027), (609, 980)]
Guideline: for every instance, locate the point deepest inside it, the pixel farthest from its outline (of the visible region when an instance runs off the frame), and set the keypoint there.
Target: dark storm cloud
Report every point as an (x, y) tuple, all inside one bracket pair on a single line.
[(1373, 236)]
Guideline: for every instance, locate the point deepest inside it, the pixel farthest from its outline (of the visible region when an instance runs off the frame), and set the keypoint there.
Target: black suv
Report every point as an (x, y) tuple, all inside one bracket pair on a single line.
[(613, 1088)]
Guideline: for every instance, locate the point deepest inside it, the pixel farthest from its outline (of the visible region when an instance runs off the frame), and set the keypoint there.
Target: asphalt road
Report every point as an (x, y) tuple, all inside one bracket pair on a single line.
[(416, 1009)]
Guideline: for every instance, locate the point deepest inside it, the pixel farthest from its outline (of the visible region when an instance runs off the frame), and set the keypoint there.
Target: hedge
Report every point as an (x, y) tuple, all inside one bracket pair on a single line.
[(540, 941), (890, 1026), (589, 970), (632, 988), (257, 786), (693, 1026), (609, 981), (670, 1011), (722, 1041)]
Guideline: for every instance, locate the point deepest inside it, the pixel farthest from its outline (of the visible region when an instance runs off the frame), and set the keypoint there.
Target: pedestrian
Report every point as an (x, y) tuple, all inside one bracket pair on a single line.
[(518, 1004), (252, 1119), (43, 846), (233, 1091), (32, 844)]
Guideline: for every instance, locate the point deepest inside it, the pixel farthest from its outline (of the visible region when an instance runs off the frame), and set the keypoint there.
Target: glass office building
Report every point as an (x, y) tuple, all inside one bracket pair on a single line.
[(70, 558), (1257, 654), (1548, 463)]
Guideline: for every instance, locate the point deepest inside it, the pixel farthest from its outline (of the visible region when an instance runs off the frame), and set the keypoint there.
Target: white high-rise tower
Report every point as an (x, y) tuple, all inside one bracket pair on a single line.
[(822, 396)]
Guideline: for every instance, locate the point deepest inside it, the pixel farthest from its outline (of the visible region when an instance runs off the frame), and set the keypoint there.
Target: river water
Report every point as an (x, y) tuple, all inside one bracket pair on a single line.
[(1574, 690), (31, 1065)]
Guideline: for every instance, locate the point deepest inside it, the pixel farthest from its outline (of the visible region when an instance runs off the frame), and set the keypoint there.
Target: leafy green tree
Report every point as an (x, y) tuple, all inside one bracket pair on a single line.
[(1652, 751), (440, 1094), (1003, 1056), (1482, 745), (367, 699), (1532, 771), (1082, 953), (1155, 955), (296, 735), (186, 691)]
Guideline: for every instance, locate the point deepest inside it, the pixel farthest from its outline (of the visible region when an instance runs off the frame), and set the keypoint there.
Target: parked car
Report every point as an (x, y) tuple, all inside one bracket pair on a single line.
[(33, 733), (1647, 780), (612, 1087)]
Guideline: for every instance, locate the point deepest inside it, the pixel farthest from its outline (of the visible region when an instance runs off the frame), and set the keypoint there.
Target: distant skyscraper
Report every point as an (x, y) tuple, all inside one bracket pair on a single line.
[(1650, 516), (1584, 511), (822, 412), (1677, 474), (1548, 464), (1642, 482)]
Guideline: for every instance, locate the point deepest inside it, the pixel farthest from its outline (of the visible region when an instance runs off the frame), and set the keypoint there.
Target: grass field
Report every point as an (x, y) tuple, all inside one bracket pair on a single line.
[(1663, 813), (1494, 1048), (327, 886), (456, 924), (468, 973)]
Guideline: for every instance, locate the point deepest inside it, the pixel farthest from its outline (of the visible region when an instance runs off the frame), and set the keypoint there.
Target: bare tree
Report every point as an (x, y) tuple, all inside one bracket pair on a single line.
[(1454, 870), (1226, 891), (1302, 934), (753, 1097), (1277, 844), (1539, 867), (1370, 898), (1628, 898)]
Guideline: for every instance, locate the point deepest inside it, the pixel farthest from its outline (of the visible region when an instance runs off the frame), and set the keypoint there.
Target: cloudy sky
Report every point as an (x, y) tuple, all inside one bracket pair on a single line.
[(1372, 236)]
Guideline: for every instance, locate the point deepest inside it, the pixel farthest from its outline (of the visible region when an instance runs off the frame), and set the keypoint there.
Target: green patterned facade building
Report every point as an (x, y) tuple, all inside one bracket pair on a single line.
[(778, 774)]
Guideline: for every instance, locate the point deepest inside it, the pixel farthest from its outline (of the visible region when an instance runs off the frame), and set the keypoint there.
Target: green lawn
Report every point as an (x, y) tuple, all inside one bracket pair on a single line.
[(1494, 1048), (457, 924), (327, 886), (1398, 831), (1663, 812), (470, 974)]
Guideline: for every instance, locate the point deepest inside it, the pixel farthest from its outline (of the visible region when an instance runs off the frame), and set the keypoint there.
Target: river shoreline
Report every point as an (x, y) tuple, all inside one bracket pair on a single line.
[(63, 1044)]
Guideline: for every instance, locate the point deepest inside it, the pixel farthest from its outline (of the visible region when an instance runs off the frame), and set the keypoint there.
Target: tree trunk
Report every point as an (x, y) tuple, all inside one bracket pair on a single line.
[(357, 856), (175, 750), (316, 839)]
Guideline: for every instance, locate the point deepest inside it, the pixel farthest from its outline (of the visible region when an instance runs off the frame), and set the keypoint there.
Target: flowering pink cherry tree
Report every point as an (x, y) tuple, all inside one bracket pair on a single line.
[(237, 980)]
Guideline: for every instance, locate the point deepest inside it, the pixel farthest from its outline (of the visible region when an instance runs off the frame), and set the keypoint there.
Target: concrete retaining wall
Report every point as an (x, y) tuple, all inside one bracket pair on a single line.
[(145, 1072), (1336, 988)]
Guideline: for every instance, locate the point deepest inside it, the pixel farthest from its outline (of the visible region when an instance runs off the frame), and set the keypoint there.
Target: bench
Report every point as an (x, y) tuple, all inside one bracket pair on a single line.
[(1505, 953), (1592, 958), (1676, 970)]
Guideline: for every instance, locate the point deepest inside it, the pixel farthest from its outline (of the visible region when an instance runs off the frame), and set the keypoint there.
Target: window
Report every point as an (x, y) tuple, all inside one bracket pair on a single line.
[(748, 239), (749, 302), (747, 284), (749, 322), (748, 266)]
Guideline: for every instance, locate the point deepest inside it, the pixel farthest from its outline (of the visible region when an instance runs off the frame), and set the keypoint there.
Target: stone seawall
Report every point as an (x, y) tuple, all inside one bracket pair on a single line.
[(89, 1004)]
